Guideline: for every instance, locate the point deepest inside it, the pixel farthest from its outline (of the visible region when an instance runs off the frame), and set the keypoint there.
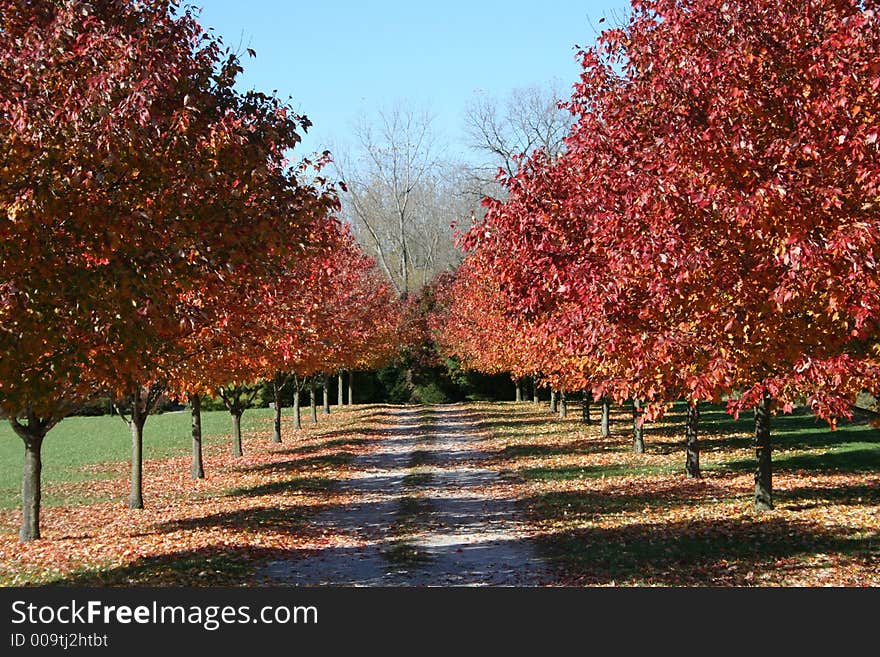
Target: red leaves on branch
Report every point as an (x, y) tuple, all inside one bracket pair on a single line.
[(713, 224), (152, 232), (131, 175)]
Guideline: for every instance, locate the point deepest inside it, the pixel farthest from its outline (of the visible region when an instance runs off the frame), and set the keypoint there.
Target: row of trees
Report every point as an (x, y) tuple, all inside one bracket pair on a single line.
[(154, 238), (711, 229)]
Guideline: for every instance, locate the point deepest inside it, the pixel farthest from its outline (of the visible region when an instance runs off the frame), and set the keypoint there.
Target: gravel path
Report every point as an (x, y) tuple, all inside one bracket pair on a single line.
[(420, 518)]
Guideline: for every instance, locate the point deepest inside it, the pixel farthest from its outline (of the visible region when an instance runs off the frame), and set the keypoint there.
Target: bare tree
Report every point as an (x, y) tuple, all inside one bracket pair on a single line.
[(502, 131), (403, 197), (398, 197)]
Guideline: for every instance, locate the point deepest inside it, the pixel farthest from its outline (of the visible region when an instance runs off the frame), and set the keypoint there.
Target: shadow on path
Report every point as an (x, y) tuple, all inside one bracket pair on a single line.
[(420, 516)]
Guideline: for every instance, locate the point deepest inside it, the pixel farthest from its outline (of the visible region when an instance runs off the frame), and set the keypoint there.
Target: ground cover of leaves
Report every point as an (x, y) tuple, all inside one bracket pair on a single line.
[(602, 515), (608, 516), (207, 532)]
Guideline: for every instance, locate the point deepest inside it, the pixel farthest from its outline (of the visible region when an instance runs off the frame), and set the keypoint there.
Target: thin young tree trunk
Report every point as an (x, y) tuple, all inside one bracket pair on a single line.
[(236, 433), (404, 253), (236, 406), (326, 394), (638, 428), (350, 387), (606, 417), (535, 391), (563, 405), (692, 443), (312, 404), (276, 424), (519, 390), (30, 488), (198, 465), (136, 497), (297, 415), (32, 434), (764, 465), (142, 404), (552, 400), (585, 408), (339, 396)]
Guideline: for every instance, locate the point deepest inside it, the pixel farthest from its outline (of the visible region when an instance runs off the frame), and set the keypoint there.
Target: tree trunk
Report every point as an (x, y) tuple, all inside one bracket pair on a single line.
[(692, 444), (404, 252), (326, 394), (339, 396), (30, 488), (312, 403), (638, 428), (535, 391), (297, 416), (585, 408), (136, 497), (563, 405), (236, 433), (552, 400), (764, 466), (519, 391), (351, 387), (606, 417), (276, 425), (198, 466)]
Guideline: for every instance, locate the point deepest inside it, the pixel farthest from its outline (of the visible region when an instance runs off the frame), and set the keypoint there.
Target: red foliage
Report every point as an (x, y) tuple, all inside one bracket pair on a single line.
[(713, 225)]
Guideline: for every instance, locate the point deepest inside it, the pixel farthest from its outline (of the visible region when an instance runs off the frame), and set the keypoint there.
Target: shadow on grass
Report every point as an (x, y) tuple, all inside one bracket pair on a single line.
[(849, 495), (294, 465), (857, 457), (328, 444), (210, 566), (264, 518), (594, 471), (820, 437), (562, 432), (593, 447), (588, 504), (311, 484), (711, 552)]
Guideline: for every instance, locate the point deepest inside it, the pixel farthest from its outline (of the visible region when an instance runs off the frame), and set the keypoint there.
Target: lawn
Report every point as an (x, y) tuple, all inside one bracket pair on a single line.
[(601, 514), (209, 532), (82, 449), (605, 515)]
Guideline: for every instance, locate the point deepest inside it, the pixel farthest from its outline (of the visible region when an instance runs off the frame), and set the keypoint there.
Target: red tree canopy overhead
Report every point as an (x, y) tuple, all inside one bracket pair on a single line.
[(713, 224), (326, 310), (134, 177)]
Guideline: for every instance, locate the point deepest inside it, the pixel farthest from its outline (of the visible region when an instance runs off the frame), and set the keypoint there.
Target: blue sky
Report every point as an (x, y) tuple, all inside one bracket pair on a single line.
[(337, 59)]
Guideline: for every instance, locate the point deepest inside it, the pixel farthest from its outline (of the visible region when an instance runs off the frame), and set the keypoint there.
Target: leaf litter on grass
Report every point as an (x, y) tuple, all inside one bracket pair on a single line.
[(603, 515), (204, 532), (608, 516)]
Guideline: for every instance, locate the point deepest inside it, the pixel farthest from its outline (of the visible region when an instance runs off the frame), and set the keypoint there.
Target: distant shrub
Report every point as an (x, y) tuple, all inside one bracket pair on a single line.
[(429, 393)]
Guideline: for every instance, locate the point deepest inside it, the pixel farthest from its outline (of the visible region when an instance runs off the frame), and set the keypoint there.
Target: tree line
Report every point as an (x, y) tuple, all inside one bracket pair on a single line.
[(710, 230), (155, 240)]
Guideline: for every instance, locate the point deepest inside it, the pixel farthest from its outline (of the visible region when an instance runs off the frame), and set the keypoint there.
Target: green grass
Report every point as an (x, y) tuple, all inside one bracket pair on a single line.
[(402, 553), (417, 479), (797, 430), (847, 457), (668, 543), (593, 471), (800, 442), (104, 441)]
